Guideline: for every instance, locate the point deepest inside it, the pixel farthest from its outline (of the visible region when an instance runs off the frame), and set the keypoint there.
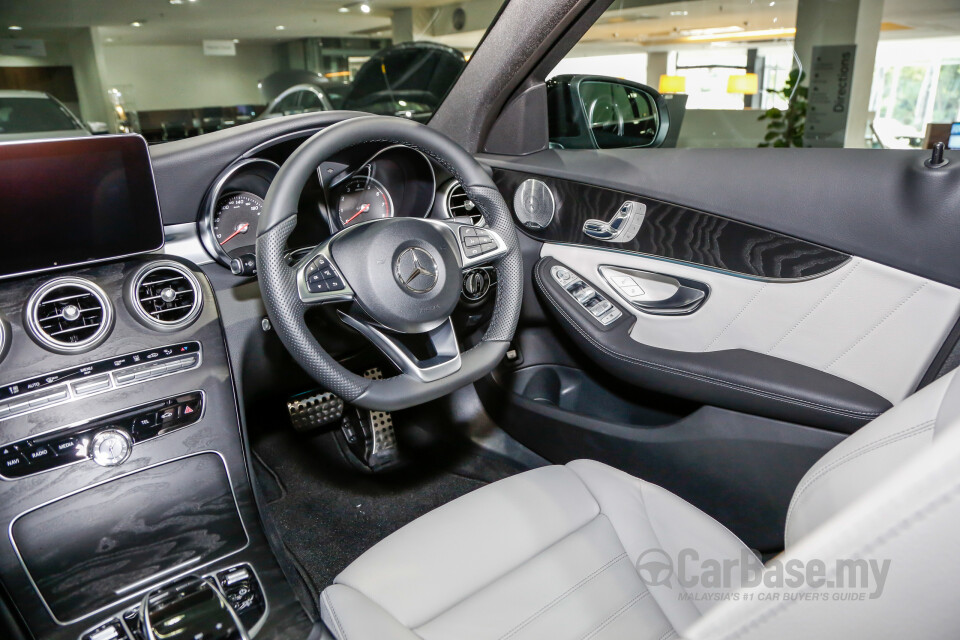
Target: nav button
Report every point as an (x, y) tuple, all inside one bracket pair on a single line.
[(11, 461)]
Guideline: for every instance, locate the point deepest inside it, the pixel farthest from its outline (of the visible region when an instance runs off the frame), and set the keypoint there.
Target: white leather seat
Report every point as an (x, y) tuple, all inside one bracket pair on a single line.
[(552, 553)]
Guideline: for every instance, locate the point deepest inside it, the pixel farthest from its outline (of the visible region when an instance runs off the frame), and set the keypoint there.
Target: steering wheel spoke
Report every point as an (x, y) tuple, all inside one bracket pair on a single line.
[(319, 280), (402, 276), (478, 245), (442, 343)]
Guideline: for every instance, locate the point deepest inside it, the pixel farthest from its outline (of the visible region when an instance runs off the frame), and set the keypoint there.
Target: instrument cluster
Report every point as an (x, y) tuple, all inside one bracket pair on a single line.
[(363, 185)]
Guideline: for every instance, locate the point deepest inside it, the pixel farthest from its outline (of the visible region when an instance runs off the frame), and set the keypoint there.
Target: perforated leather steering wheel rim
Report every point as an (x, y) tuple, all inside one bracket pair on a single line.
[(278, 281)]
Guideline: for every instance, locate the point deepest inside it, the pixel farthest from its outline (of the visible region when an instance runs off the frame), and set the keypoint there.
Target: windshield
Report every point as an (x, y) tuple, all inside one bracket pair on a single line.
[(172, 69), (33, 115)]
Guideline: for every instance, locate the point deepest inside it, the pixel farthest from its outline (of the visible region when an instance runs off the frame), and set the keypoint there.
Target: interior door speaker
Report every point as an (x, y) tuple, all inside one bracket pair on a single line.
[(534, 204)]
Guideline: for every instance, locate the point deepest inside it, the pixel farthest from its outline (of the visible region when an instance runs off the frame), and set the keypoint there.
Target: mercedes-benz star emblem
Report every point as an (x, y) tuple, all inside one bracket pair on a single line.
[(416, 270)]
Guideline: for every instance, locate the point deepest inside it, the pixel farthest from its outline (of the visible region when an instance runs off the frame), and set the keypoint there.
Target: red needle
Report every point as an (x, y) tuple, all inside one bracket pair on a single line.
[(363, 209), (241, 228)]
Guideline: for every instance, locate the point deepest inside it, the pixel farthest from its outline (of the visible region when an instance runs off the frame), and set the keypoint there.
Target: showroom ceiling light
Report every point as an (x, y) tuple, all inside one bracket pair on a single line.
[(759, 34), (280, 27), (15, 27), (365, 8), (343, 9), (176, 1), (136, 23)]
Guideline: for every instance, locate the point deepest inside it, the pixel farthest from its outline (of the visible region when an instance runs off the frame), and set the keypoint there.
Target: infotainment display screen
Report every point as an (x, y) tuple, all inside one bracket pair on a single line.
[(67, 202)]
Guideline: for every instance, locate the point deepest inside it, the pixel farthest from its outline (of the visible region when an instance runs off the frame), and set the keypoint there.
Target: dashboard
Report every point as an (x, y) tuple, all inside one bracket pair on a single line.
[(127, 372), (359, 185)]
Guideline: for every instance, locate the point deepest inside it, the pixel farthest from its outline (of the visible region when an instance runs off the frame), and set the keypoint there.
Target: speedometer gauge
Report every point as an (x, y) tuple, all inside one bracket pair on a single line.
[(363, 199), (235, 220)]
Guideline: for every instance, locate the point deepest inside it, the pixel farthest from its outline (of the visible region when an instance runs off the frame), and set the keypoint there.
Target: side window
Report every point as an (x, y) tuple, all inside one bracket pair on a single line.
[(309, 101), (809, 73)]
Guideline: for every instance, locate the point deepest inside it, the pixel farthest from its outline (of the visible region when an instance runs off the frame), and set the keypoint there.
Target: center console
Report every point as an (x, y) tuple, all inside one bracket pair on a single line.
[(124, 488), (122, 467)]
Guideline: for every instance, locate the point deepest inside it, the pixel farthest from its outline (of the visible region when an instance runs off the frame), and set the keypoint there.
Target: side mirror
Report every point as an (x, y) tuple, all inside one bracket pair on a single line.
[(98, 128), (598, 112)]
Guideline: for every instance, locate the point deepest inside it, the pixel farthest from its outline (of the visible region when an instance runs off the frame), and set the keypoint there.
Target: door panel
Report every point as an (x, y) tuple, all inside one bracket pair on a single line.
[(831, 286), (869, 324), (885, 206)]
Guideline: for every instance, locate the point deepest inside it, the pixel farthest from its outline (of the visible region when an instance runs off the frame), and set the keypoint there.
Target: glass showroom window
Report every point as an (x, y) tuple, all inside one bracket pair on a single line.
[(181, 68), (812, 73)]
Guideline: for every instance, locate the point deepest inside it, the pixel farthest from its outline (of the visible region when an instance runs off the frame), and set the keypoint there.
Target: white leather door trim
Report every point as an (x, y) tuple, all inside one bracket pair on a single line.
[(865, 322)]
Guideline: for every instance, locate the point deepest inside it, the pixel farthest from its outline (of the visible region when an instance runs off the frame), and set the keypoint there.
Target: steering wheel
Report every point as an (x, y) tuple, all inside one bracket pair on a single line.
[(400, 275)]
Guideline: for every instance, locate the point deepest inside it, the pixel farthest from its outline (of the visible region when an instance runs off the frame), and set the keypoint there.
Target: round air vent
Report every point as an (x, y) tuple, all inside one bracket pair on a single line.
[(165, 296), (459, 205), (69, 315)]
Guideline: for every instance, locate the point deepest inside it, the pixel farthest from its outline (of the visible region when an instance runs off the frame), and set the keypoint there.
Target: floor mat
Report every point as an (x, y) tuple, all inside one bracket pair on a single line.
[(328, 514)]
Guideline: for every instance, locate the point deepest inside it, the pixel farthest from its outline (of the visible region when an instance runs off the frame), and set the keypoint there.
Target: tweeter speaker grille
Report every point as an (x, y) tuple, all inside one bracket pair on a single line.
[(534, 204)]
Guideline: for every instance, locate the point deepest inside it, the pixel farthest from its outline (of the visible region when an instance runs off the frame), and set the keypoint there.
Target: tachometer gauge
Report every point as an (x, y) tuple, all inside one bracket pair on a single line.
[(235, 220), (363, 199)]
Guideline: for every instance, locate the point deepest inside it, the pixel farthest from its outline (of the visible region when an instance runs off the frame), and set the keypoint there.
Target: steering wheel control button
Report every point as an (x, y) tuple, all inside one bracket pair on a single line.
[(477, 242), (321, 276), (111, 447)]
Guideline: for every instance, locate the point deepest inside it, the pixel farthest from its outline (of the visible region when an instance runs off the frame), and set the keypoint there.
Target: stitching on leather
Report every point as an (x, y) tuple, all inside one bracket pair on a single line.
[(616, 614), (852, 455), (737, 317), (849, 413), (816, 306), (513, 568), (341, 634), (671, 633), (877, 326), (562, 597), (889, 534)]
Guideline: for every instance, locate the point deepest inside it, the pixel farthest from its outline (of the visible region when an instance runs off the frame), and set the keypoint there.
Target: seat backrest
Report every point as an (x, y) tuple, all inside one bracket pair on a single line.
[(857, 464), (886, 502)]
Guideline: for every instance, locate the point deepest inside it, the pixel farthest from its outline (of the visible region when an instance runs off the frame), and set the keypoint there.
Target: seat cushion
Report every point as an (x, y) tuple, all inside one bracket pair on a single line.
[(550, 553)]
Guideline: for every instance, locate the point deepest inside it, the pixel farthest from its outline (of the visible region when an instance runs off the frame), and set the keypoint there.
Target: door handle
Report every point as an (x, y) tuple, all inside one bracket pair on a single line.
[(623, 227), (656, 293)]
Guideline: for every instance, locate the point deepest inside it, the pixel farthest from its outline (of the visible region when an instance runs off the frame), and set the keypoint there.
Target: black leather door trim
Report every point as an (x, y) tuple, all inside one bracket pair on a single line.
[(882, 205), (735, 379), (675, 232)]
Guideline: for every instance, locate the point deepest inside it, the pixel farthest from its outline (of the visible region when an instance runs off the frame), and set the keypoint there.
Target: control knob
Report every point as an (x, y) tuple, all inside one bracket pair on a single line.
[(111, 447)]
